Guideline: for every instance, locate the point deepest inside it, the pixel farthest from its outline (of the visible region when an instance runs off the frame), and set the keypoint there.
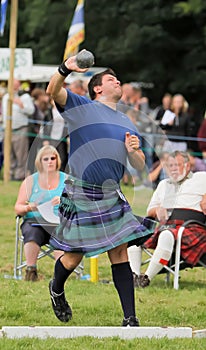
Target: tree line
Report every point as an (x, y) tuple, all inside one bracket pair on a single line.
[(151, 41)]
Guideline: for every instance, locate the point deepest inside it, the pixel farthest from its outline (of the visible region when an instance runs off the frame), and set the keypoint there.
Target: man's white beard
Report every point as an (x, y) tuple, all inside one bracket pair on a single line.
[(181, 176)]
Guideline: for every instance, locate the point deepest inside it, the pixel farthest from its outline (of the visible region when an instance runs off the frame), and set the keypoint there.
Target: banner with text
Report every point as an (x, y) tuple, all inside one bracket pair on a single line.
[(22, 67)]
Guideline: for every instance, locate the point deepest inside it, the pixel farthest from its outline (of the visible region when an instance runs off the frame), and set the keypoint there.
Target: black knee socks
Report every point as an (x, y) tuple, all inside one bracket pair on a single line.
[(60, 276), (123, 281)]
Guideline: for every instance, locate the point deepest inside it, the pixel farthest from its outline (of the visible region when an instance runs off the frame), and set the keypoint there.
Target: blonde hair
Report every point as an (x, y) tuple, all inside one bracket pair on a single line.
[(185, 104), (42, 151)]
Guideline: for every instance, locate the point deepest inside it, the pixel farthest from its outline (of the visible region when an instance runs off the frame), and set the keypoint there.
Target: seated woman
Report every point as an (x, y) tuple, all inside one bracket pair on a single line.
[(46, 185)]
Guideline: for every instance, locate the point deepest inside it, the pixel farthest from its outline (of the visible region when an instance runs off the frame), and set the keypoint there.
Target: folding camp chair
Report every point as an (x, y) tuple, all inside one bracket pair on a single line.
[(46, 250), (177, 263)]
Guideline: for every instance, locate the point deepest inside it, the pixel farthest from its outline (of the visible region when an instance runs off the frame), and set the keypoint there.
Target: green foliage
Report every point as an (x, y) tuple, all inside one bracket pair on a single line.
[(191, 6), (152, 41)]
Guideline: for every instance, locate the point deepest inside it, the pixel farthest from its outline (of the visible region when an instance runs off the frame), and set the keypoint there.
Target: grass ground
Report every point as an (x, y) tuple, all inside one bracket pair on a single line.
[(95, 304)]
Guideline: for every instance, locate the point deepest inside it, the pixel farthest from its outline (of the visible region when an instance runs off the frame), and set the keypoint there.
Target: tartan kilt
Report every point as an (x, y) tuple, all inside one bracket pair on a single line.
[(94, 220), (193, 243)]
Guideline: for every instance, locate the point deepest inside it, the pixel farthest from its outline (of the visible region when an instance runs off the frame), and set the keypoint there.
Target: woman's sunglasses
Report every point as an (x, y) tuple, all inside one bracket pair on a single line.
[(45, 159)]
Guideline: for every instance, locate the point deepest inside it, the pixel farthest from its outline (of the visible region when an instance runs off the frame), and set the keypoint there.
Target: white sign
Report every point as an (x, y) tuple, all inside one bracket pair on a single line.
[(22, 66), (168, 117), (46, 210)]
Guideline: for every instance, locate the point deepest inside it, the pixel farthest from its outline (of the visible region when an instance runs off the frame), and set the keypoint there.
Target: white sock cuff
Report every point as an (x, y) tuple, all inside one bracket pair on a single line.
[(135, 258), (166, 241)]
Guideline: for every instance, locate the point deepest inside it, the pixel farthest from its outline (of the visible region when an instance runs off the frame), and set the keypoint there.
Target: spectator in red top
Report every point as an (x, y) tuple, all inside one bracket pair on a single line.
[(202, 135)]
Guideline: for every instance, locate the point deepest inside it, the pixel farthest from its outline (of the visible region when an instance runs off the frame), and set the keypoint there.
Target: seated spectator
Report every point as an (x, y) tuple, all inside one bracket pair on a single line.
[(179, 198), (158, 170), (45, 185), (197, 164)]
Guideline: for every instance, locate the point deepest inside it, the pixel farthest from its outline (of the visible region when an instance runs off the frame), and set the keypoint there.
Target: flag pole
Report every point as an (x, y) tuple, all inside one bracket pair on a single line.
[(8, 129)]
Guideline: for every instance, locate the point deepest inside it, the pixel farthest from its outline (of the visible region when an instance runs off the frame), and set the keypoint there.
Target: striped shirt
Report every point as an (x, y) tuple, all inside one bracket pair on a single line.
[(97, 136)]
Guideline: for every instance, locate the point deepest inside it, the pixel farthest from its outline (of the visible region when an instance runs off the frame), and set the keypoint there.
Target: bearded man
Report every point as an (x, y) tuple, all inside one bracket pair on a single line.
[(179, 198)]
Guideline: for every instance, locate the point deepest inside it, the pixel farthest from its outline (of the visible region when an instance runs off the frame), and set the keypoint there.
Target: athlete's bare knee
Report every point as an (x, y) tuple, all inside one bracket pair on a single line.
[(118, 254), (71, 260)]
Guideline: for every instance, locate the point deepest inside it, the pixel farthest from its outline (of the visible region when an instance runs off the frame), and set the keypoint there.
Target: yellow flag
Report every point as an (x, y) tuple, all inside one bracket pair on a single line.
[(76, 32)]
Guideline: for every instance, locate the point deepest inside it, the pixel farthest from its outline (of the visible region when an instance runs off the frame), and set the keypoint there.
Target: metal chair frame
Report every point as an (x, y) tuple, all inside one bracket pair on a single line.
[(46, 250), (174, 269)]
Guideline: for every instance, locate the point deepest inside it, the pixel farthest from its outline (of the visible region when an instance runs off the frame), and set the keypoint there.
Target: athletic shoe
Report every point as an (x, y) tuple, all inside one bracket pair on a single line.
[(31, 274), (144, 281), (131, 321), (60, 306)]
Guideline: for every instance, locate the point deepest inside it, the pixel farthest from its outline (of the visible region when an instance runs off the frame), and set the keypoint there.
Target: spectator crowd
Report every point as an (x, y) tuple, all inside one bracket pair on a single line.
[(167, 127)]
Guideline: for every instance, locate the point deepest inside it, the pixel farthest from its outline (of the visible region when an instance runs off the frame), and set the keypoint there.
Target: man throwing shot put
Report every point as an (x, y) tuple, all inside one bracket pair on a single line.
[(95, 217)]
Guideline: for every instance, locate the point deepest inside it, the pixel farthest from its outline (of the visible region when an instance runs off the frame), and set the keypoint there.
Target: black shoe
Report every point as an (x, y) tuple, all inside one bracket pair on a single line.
[(131, 321), (60, 306), (143, 281)]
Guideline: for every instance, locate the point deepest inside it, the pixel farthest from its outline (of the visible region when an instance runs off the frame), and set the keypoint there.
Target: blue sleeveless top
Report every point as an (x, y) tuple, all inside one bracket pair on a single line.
[(40, 195)]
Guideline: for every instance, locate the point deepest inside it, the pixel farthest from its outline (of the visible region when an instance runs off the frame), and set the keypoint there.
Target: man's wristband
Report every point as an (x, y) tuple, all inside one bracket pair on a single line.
[(63, 70)]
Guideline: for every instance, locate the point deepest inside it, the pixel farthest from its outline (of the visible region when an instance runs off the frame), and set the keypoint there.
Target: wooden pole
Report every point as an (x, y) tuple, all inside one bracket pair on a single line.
[(8, 129)]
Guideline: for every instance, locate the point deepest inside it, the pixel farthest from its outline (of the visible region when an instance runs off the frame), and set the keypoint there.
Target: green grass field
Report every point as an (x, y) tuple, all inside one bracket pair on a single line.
[(95, 304)]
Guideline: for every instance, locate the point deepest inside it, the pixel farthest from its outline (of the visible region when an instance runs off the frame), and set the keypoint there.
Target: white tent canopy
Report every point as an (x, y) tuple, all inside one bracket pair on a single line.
[(43, 73)]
